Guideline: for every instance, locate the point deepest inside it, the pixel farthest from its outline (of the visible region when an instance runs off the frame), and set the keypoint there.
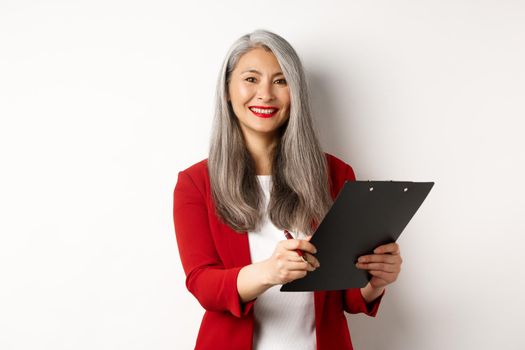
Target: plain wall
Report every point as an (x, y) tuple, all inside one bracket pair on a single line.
[(103, 102)]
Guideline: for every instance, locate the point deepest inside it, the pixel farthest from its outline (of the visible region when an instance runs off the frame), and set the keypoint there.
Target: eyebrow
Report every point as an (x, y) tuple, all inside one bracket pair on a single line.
[(253, 70)]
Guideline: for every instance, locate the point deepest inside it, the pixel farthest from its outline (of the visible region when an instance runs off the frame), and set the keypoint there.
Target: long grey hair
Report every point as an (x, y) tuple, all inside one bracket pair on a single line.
[(300, 195)]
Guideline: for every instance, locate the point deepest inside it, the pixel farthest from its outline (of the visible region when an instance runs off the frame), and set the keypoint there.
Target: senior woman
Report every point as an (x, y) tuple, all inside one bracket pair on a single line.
[(266, 173)]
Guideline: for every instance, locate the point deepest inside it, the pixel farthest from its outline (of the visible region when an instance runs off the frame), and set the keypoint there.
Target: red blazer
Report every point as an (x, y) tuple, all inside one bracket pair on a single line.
[(212, 254)]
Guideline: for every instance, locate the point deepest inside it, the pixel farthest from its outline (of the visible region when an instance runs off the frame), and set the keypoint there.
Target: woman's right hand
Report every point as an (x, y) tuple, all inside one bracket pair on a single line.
[(285, 265)]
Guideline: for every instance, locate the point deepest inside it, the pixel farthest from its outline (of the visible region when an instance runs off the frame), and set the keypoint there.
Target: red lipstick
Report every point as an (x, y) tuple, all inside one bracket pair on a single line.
[(263, 108)]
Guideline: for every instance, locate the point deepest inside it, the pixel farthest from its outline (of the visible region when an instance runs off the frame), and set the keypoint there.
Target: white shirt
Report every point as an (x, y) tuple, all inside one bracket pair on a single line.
[(283, 320)]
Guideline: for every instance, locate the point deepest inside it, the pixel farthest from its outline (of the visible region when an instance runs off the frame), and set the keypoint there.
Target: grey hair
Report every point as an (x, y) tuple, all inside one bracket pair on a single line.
[(300, 197)]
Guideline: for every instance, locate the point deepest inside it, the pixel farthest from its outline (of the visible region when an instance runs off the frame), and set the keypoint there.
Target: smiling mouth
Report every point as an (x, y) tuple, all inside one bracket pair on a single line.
[(264, 112)]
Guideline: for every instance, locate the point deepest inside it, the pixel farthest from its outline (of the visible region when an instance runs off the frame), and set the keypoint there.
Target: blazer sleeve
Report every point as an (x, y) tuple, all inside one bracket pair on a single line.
[(214, 286), (353, 301)]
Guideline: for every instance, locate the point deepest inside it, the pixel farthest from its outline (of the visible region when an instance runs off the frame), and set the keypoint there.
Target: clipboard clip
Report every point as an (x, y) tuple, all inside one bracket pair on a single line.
[(371, 188)]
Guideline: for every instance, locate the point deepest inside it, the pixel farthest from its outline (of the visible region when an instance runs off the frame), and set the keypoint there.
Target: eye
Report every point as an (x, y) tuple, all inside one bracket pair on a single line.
[(250, 79), (281, 81)]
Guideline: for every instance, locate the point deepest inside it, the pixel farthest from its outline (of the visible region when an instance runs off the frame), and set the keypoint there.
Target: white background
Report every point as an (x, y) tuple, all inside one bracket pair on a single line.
[(103, 102)]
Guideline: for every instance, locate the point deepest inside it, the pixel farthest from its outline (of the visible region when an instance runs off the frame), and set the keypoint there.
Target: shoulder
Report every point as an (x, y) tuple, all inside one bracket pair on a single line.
[(339, 172), (198, 169), (195, 176), (338, 167)]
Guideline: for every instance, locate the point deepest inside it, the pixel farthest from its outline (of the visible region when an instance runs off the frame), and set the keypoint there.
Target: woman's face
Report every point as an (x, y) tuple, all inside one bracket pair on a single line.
[(259, 94)]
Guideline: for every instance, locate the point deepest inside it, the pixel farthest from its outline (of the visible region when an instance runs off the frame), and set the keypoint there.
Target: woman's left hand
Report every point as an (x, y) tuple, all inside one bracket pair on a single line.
[(384, 265)]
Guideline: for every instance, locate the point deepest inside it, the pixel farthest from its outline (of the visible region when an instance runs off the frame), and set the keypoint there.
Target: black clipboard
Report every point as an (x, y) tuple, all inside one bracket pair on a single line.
[(365, 215)]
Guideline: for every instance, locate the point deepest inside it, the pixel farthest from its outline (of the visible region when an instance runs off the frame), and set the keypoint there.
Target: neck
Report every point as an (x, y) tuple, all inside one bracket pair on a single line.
[(260, 149)]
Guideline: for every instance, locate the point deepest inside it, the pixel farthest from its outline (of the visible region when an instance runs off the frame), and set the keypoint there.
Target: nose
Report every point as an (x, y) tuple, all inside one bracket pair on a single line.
[(265, 91)]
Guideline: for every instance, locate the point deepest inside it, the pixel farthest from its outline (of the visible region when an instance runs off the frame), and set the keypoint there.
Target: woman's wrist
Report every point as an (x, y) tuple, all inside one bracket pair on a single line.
[(370, 293), (262, 269), (252, 281)]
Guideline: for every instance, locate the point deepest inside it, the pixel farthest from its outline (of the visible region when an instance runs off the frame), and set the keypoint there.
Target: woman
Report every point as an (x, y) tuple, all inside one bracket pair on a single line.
[(265, 174)]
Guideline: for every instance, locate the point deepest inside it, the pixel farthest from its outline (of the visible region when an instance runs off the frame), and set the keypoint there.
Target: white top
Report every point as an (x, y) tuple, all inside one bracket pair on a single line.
[(283, 320)]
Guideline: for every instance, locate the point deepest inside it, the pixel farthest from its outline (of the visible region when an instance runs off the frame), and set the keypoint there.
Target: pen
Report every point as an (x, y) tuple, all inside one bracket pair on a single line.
[(299, 251)]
